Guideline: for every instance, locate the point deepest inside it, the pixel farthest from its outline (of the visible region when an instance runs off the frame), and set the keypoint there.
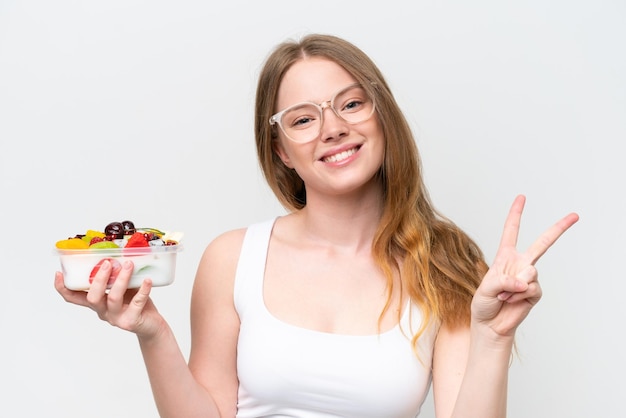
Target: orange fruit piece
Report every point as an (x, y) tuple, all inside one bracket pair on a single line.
[(92, 233), (72, 244)]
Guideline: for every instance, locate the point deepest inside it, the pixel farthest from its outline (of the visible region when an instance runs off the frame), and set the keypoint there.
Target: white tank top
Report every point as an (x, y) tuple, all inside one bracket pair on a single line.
[(288, 371)]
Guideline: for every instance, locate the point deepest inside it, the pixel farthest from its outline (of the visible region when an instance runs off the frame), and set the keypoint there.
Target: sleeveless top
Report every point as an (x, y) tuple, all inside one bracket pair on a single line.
[(288, 371)]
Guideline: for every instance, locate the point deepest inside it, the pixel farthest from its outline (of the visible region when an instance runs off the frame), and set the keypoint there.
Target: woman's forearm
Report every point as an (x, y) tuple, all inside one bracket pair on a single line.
[(483, 392), (177, 393)]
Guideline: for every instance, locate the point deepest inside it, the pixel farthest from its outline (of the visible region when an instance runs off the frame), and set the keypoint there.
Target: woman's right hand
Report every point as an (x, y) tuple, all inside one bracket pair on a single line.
[(128, 309)]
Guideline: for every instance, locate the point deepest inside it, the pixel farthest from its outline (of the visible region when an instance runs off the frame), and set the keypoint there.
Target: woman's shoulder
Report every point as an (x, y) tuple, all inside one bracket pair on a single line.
[(224, 248), (228, 238), (219, 261), (227, 245), (218, 264)]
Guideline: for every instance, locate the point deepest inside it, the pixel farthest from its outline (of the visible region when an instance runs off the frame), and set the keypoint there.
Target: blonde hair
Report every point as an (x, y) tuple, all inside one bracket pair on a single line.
[(439, 265)]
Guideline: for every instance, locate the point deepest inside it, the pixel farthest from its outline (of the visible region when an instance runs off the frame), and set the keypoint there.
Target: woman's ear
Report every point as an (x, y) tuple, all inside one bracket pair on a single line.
[(282, 154)]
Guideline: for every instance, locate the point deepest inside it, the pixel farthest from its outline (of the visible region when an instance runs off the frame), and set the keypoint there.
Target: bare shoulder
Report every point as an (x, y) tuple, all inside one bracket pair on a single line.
[(218, 264), (225, 247)]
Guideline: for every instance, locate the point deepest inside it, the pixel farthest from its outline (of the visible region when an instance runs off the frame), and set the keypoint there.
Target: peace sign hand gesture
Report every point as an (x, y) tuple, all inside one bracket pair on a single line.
[(510, 288)]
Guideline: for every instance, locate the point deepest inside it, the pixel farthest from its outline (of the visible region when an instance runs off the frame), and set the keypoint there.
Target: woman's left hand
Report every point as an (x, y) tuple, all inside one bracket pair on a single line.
[(510, 288)]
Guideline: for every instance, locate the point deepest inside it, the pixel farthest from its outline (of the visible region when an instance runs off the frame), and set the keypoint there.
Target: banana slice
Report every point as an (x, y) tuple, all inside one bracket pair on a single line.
[(172, 236)]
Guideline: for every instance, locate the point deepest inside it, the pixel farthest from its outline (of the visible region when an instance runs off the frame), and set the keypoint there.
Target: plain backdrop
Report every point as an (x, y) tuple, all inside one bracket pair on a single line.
[(143, 110)]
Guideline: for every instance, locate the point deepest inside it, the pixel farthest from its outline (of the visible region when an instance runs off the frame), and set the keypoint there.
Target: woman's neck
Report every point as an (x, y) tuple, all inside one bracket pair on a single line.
[(347, 222)]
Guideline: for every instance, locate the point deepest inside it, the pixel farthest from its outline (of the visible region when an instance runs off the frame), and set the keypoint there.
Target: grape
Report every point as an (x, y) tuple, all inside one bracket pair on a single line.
[(114, 230), (129, 227)]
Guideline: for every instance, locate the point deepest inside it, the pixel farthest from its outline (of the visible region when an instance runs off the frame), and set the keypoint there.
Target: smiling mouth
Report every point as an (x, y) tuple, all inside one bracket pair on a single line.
[(340, 156)]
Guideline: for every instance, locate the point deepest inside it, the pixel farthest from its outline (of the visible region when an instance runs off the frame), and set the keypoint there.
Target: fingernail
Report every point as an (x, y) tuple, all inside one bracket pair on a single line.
[(502, 296), (127, 265)]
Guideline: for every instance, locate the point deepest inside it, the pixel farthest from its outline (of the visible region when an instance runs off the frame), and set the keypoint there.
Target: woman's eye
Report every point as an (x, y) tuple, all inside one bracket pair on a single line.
[(353, 105), (301, 121)]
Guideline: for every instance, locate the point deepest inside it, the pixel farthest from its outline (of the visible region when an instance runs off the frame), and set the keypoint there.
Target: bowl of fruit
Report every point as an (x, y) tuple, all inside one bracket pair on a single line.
[(152, 251)]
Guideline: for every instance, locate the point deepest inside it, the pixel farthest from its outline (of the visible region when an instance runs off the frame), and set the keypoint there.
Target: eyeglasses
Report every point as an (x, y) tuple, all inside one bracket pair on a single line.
[(302, 122)]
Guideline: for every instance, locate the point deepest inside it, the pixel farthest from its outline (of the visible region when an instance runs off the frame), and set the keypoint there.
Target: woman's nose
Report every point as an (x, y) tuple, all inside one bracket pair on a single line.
[(333, 127)]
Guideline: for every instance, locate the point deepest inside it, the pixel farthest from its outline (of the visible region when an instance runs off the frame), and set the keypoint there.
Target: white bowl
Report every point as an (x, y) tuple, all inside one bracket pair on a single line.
[(157, 263)]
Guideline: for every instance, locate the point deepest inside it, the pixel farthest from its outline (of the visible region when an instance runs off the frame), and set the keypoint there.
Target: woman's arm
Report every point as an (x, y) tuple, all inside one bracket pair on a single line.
[(207, 386), (470, 364), (470, 374), (215, 322)]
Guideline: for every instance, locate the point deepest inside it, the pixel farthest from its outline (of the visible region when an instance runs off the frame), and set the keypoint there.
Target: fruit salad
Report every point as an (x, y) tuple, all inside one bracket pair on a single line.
[(152, 251), (119, 235)]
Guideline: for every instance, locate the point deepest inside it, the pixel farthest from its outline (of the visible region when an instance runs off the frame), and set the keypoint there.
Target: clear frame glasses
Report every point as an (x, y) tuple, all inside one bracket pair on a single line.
[(302, 122)]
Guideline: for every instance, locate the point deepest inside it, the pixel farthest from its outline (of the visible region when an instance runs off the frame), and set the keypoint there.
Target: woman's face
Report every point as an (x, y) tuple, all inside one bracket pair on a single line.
[(341, 158)]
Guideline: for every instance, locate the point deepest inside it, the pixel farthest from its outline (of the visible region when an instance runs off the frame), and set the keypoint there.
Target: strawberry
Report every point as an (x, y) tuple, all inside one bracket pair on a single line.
[(116, 267), (138, 239)]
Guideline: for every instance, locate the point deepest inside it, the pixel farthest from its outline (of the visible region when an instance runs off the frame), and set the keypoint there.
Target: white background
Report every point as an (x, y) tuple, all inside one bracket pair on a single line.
[(143, 110)]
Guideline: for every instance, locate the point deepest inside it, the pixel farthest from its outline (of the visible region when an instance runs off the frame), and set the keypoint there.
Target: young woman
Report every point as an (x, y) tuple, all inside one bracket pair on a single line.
[(353, 302)]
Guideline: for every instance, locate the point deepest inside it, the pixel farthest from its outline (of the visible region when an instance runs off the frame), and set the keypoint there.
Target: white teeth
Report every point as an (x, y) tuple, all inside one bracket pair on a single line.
[(339, 157)]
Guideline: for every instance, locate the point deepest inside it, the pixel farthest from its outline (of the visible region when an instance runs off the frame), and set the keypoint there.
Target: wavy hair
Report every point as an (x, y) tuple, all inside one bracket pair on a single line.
[(439, 265)]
